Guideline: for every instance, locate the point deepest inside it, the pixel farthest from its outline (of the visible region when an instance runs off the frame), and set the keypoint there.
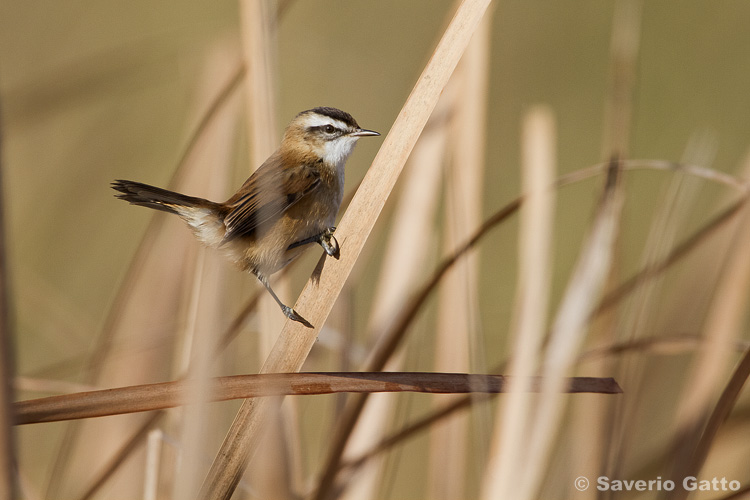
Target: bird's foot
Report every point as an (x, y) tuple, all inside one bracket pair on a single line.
[(329, 243), (294, 316)]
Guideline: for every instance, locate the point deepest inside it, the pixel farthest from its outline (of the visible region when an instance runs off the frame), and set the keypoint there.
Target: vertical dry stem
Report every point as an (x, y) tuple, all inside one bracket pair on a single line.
[(508, 454), (624, 48), (723, 324), (407, 252), (458, 312), (569, 329), (258, 24)]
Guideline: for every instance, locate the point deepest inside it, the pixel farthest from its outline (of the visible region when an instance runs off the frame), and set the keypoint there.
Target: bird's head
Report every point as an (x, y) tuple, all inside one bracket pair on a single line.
[(328, 133)]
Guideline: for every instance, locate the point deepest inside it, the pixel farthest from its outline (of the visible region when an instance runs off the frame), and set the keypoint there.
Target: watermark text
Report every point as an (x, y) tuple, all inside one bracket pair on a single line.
[(690, 483)]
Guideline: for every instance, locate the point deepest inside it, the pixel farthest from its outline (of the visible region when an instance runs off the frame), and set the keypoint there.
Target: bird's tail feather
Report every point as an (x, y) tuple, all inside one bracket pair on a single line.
[(205, 218), (144, 195)]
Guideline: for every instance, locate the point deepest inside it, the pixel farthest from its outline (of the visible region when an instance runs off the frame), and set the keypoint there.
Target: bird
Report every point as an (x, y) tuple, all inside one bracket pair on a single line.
[(289, 202)]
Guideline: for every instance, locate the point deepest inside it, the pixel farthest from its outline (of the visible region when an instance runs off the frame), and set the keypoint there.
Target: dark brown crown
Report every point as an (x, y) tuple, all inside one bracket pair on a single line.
[(334, 113)]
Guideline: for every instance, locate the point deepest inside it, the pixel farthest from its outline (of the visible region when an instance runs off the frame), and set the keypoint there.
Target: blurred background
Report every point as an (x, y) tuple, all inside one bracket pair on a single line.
[(194, 95)]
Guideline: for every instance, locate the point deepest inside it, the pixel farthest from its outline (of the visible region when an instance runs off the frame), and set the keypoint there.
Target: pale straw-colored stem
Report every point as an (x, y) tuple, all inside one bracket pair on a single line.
[(508, 452), (458, 326), (569, 329), (405, 260)]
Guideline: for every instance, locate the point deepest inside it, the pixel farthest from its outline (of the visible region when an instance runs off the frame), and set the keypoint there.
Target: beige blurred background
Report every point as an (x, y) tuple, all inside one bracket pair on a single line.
[(95, 91)]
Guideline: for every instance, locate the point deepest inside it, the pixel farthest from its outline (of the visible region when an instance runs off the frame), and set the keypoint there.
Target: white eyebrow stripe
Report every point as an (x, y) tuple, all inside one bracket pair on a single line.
[(315, 120)]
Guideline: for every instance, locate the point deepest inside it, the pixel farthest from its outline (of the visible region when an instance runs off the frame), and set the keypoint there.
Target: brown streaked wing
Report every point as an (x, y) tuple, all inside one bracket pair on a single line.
[(266, 195)]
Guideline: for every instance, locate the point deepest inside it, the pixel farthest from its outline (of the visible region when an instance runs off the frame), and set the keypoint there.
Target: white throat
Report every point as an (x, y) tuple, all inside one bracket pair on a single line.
[(338, 150)]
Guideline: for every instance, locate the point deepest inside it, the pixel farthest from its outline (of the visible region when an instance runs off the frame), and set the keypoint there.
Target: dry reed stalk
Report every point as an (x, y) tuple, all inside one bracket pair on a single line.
[(660, 346), (685, 439), (392, 338), (203, 304), (27, 490), (258, 30), (214, 107), (739, 184), (379, 359), (159, 291), (194, 417), (685, 248), (679, 252), (270, 477), (569, 328), (207, 295), (612, 299), (385, 348), (206, 118), (316, 300), (667, 345), (8, 464), (457, 313), (626, 35), (94, 365), (117, 459), (593, 427), (716, 418), (149, 397), (127, 289), (154, 444), (724, 323), (507, 457), (404, 261), (638, 320)]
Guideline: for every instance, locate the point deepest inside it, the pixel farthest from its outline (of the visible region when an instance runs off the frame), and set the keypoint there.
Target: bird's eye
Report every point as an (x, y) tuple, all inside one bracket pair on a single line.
[(330, 129)]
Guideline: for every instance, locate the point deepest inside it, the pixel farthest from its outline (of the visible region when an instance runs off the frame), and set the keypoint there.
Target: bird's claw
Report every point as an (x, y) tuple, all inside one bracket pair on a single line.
[(329, 243), (294, 316)]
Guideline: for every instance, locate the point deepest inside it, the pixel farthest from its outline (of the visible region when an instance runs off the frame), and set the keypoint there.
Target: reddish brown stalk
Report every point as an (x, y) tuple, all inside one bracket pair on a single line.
[(150, 397)]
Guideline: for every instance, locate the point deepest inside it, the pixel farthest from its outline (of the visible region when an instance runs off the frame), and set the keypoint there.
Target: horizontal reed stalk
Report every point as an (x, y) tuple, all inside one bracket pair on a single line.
[(150, 397)]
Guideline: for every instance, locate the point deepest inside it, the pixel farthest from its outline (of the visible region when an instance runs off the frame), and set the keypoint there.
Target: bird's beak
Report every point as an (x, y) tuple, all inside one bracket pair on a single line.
[(363, 133)]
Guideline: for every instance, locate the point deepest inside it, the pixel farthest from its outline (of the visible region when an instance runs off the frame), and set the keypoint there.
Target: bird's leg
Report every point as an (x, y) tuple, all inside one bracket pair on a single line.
[(324, 239), (288, 311)]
